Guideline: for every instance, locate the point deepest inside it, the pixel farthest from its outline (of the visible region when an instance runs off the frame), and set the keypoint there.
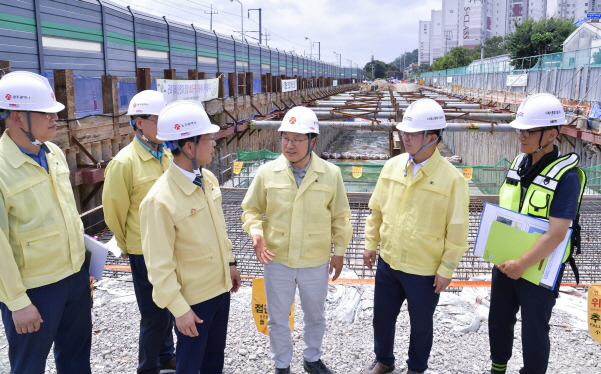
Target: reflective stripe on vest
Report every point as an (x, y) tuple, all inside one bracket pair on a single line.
[(539, 195)]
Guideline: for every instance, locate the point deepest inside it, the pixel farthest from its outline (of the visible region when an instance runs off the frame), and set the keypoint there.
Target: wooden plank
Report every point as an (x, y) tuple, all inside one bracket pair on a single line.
[(231, 78), (64, 90), (192, 74), (169, 74), (143, 79), (4, 67), (221, 77)]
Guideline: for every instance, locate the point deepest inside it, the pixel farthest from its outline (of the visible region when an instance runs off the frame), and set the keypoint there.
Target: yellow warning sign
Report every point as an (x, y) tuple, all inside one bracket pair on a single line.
[(238, 167), (594, 312), (468, 173), (259, 306), (357, 171)]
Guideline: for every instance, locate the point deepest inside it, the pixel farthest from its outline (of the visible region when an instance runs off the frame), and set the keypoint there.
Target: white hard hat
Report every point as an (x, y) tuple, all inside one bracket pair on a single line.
[(301, 120), (539, 110), (26, 91), (147, 102), (183, 119), (423, 115)]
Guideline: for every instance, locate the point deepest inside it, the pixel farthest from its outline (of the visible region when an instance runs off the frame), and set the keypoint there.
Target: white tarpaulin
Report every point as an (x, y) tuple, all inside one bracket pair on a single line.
[(197, 90), (288, 85), (517, 80)]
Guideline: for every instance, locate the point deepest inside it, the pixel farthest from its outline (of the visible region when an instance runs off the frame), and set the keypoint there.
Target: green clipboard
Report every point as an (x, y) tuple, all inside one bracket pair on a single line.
[(508, 243)]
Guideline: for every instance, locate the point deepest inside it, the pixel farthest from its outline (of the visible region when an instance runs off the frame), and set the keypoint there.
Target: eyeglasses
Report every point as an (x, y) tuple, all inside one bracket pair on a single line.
[(526, 133), (294, 142), (211, 139), (414, 134), (48, 116)]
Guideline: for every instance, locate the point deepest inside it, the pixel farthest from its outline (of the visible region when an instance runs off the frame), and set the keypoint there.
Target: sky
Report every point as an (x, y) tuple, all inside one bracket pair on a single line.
[(355, 29)]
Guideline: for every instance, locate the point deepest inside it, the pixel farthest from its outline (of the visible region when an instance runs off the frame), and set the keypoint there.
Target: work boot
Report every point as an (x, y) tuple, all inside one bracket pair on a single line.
[(167, 367), (378, 368), (316, 367), (282, 371)]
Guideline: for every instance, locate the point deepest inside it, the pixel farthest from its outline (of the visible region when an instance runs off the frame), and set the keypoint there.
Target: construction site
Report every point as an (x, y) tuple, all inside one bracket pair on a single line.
[(247, 90)]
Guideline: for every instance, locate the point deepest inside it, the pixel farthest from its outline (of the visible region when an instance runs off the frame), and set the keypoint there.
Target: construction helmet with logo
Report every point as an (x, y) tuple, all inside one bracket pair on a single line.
[(539, 110), (183, 119), (147, 102), (423, 115), (26, 91), (301, 120)]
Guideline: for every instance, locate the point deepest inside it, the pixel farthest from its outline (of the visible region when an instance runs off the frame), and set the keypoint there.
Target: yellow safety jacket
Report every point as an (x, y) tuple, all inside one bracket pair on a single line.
[(536, 199), (127, 179), (41, 234)]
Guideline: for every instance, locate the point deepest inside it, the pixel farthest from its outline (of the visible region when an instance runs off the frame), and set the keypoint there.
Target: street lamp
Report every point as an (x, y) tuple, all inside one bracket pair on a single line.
[(241, 17), (318, 50), (311, 46), (339, 61), (351, 66)]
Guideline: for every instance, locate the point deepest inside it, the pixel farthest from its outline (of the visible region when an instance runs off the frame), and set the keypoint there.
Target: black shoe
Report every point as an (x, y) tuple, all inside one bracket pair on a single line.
[(316, 367), (167, 367), (282, 371)]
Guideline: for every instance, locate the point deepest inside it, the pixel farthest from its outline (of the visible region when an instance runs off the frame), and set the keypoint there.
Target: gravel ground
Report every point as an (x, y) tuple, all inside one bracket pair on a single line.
[(460, 340)]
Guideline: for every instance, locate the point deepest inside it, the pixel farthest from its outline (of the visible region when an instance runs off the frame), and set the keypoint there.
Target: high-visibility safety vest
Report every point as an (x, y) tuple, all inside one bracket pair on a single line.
[(536, 200)]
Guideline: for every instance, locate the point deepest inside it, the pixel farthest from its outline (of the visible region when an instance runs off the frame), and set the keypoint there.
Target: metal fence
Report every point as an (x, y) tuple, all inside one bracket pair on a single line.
[(568, 75)]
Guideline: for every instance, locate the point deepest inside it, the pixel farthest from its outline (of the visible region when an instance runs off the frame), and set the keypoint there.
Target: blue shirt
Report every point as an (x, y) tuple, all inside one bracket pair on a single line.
[(565, 201), (40, 158), (158, 154)]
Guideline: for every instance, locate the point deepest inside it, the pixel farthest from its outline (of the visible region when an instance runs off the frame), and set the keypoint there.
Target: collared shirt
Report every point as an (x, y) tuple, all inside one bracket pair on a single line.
[(127, 179), (40, 158), (41, 234), (301, 222), (185, 244), (421, 222), (158, 154), (415, 166), (299, 173), (190, 175)]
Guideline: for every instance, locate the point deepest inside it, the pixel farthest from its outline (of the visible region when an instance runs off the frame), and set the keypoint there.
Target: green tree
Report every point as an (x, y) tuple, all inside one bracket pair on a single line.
[(493, 46), (457, 57), (533, 38), (380, 69), (405, 59)]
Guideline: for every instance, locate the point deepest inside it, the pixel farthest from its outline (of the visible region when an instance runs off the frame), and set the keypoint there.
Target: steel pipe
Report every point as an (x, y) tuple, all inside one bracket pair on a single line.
[(387, 126)]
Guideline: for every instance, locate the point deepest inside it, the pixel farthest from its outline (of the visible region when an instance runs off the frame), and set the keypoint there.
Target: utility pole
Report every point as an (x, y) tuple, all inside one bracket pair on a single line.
[(260, 28), (211, 13)]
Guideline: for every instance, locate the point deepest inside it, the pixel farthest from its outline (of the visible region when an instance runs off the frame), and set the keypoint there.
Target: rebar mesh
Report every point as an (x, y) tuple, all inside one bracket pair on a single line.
[(470, 266)]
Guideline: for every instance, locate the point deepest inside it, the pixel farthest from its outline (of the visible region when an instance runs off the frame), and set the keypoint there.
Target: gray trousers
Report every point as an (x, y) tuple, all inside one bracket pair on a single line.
[(280, 288)]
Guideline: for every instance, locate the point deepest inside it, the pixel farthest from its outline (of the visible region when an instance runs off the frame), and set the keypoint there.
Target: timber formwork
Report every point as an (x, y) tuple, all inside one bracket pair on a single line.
[(469, 267)]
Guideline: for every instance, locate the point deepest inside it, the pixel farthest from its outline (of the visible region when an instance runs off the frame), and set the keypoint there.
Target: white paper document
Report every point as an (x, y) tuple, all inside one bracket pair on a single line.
[(506, 235), (98, 252)]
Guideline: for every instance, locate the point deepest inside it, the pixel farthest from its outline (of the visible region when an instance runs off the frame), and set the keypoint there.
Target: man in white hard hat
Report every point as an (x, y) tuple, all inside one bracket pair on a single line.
[(44, 287), (128, 178), (306, 210), (184, 240), (419, 217), (542, 183)]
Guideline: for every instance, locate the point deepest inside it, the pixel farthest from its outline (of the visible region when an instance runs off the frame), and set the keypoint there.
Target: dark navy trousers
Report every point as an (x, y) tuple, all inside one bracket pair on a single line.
[(156, 324), (507, 296), (66, 309), (204, 354), (392, 288)]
